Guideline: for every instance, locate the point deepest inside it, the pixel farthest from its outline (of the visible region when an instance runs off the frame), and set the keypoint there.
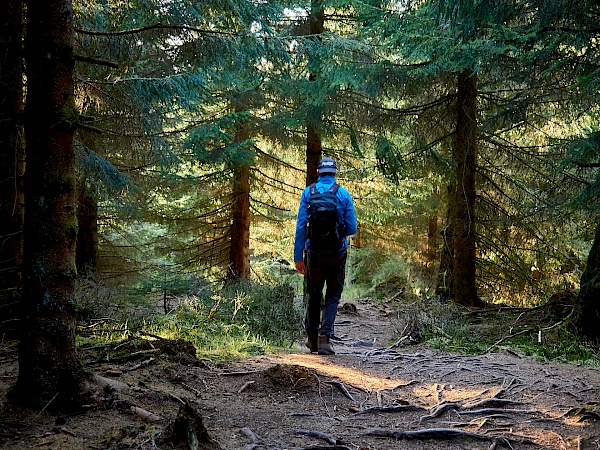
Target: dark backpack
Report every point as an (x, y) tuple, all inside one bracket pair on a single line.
[(324, 228)]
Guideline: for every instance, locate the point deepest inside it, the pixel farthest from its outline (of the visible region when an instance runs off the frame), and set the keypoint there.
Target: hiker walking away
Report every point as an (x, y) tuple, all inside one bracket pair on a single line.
[(325, 217)]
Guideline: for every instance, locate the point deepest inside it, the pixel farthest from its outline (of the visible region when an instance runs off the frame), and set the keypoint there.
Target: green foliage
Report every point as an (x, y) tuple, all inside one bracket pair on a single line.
[(448, 327), (232, 321), (240, 318), (377, 274)]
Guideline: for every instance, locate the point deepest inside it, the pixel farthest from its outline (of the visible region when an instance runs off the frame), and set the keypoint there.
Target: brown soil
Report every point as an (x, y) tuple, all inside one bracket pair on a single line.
[(300, 400)]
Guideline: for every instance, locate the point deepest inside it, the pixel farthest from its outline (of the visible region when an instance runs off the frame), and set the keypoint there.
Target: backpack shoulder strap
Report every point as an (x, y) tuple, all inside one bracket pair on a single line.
[(313, 189), (333, 189)]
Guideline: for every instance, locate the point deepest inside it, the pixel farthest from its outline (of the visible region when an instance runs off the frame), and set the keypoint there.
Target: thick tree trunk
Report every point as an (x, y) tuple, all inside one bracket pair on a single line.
[(239, 254), (314, 146), (11, 169), (239, 250), (86, 257), (49, 371), (589, 294), (462, 210)]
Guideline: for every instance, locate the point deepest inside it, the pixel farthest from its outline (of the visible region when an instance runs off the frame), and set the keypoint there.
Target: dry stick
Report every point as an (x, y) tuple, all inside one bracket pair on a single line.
[(330, 439), (342, 388), (321, 395), (142, 364), (527, 330), (237, 374), (245, 386), (145, 415)]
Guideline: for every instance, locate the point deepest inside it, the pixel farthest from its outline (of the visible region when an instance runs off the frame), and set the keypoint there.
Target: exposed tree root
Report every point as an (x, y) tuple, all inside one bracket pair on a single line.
[(436, 433)]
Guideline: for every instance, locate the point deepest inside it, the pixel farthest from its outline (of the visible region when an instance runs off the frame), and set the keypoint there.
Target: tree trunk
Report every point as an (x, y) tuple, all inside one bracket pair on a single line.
[(239, 253), (49, 371), (239, 250), (589, 294), (11, 170), (86, 257), (314, 146), (462, 210), (432, 232), (445, 282)]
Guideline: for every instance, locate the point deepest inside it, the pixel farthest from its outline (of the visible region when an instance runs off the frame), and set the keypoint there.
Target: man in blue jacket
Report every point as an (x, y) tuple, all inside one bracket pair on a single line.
[(323, 267)]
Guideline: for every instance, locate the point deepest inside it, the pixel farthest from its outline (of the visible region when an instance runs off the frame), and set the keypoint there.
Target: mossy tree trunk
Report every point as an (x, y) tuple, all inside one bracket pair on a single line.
[(49, 370), (314, 146), (462, 205), (588, 319), (12, 166)]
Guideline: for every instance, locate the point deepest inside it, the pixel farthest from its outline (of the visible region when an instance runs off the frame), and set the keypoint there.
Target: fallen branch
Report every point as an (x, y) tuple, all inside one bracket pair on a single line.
[(245, 386), (237, 374), (145, 415), (342, 388), (141, 364)]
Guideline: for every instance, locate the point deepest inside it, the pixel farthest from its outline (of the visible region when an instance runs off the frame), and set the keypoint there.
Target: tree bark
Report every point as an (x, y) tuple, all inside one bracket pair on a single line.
[(11, 170), (86, 257), (49, 371), (239, 249), (314, 146), (589, 294), (462, 209), (239, 253)]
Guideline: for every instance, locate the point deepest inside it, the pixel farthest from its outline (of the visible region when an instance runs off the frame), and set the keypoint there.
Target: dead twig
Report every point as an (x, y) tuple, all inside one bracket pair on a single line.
[(245, 386), (145, 415), (342, 388)]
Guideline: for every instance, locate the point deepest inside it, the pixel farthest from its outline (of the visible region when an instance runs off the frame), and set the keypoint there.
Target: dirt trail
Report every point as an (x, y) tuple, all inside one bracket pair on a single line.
[(370, 395)]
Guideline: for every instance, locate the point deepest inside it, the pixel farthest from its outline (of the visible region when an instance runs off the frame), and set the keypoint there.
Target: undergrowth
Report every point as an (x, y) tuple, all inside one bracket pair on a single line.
[(222, 322), (447, 326)]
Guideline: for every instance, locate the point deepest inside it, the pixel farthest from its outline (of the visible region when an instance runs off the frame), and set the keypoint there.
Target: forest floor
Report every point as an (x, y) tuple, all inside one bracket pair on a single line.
[(371, 395)]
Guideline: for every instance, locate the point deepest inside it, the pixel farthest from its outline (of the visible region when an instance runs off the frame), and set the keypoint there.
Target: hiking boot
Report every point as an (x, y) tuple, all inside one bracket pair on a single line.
[(325, 347), (312, 346)]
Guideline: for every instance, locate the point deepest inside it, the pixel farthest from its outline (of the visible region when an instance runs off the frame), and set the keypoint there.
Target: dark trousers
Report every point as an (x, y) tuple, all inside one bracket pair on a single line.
[(321, 270)]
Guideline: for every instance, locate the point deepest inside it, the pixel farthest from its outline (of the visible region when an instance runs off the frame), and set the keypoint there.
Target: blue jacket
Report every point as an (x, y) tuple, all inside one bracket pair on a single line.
[(345, 208)]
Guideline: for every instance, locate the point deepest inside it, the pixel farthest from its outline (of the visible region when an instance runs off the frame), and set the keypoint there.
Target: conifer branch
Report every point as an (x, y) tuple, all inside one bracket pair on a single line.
[(156, 26), (277, 160), (96, 61)]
